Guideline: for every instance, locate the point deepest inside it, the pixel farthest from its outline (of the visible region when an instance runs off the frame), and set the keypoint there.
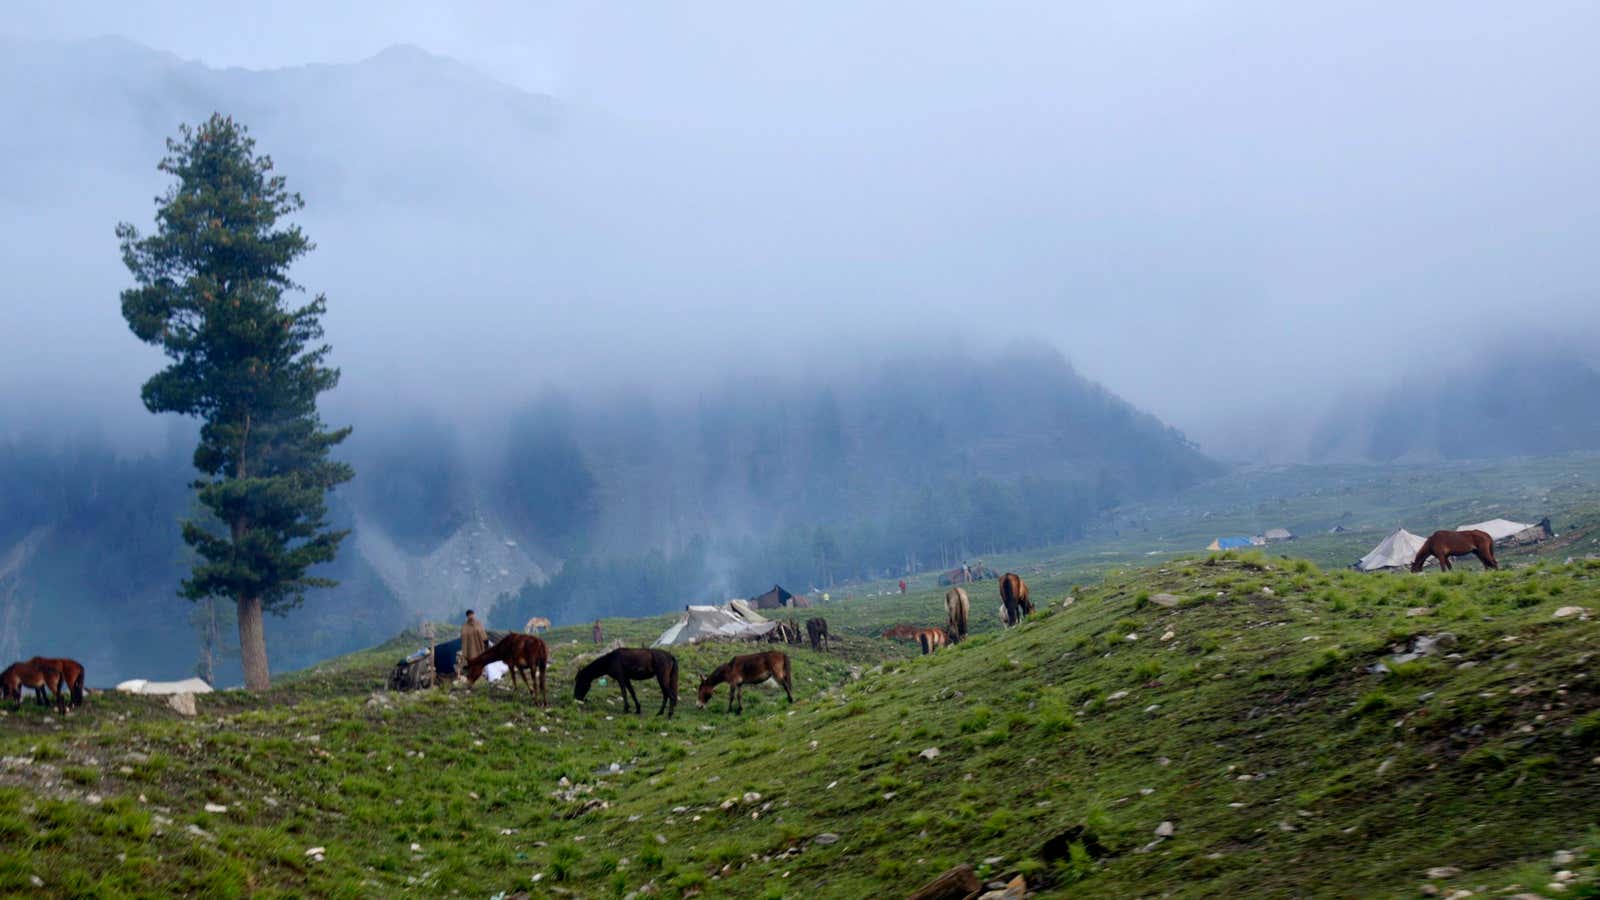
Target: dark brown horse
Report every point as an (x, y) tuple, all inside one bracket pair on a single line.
[(1444, 544), (625, 665), (956, 608), (27, 675), (69, 670), (817, 631), (931, 639), (753, 668), (1014, 594), (523, 653)]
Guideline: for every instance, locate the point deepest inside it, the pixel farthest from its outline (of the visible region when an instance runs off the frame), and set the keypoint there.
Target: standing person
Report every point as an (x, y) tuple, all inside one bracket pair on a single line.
[(474, 640), (902, 585), (597, 631)]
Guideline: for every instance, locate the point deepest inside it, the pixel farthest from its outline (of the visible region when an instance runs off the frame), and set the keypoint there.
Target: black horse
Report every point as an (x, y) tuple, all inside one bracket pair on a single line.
[(625, 665)]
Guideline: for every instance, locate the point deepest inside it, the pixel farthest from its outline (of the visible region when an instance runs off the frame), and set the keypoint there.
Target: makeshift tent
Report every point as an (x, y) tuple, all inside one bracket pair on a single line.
[(143, 686), (1230, 543), (731, 622), (444, 655), (1274, 535), (1499, 529), (1533, 534), (980, 572), (773, 599), (1393, 552)]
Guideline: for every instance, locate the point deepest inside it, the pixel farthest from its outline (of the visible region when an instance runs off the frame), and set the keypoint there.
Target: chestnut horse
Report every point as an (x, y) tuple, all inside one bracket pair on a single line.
[(1444, 544), (753, 668), (523, 653), (956, 608), (27, 675), (931, 639), (1014, 594), (901, 632), (70, 672), (624, 665)]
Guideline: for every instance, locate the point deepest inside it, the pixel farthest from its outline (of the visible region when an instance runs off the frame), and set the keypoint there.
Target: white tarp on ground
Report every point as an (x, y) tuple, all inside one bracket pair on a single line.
[(143, 686), (1392, 552), (733, 621), (1499, 529)]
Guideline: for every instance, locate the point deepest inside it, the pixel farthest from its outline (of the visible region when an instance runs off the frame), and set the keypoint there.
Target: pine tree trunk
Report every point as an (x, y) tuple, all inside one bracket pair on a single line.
[(253, 645)]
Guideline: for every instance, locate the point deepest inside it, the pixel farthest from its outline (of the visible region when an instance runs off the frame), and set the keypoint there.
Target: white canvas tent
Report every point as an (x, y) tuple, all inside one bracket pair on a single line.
[(1499, 529), (143, 686), (734, 620), (1393, 552)]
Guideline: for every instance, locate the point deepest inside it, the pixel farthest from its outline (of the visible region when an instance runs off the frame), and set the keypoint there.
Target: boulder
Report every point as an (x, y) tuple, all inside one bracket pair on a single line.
[(182, 703)]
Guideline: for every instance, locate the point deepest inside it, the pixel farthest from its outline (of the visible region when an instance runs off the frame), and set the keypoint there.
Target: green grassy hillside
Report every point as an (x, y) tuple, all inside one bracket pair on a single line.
[(1236, 698)]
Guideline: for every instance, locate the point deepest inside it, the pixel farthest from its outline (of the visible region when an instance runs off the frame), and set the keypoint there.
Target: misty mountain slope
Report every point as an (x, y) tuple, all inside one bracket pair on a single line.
[(101, 110), (1508, 404)]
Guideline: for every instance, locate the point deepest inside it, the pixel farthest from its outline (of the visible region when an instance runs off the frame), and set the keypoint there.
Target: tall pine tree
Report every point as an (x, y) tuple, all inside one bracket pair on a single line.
[(211, 290)]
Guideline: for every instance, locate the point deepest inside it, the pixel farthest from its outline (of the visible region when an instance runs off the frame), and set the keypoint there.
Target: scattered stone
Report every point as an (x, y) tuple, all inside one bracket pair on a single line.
[(752, 797), (216, 808), (199, 832), (94, 799), (828, 837), (930, 753), (1384, 767), (661, 839), (1117, 695), (1441, 872), (1567, 612), (1167, 636), (1562, 858), (1419, 611), (1167, 600), (1165, 829), (1016, 889), (1267, 591), (182, 703), (36, 881)]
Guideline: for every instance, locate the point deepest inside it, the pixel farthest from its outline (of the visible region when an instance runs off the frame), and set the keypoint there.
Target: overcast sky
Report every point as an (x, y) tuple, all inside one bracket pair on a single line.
[(1210, 207)]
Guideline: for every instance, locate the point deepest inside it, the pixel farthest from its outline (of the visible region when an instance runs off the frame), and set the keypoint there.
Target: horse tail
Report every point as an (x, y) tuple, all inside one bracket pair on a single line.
[(77, 688), (672, 675)]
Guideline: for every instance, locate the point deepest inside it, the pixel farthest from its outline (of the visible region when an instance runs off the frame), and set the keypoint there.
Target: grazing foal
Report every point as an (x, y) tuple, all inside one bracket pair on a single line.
[(753, 668)]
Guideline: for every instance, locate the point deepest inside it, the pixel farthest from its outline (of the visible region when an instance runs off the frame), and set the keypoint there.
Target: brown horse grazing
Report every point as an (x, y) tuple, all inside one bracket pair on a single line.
[(624, 665), (900, 632), (1444, 544), (523, 653), (1014, 594), (27, 675), (70, 672), (956, 608), (931, 639), (742, 670), (817, 631)]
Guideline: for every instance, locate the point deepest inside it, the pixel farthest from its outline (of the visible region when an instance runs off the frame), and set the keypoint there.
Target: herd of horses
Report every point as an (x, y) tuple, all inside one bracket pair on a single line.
[(789, 633), (527, 655), (59, 676), (1014, 607)]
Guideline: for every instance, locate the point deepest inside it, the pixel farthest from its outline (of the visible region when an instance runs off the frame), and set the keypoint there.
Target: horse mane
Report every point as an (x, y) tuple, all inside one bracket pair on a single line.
[(718, 675), (595, 668)]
